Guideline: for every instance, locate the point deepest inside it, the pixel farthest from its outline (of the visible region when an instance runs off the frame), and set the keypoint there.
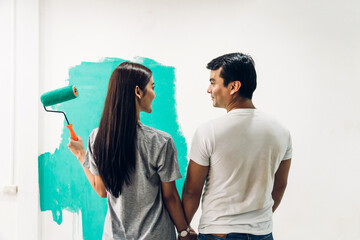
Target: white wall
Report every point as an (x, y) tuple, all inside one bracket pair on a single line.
[(306, 55), (8, 203), (19, 60)]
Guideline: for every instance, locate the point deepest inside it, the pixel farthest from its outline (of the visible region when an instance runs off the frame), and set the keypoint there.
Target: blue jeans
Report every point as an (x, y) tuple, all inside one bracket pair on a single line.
[(236, 236)]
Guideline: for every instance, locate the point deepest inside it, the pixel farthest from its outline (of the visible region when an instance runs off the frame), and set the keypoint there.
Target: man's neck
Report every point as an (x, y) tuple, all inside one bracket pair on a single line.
[(239, 103)]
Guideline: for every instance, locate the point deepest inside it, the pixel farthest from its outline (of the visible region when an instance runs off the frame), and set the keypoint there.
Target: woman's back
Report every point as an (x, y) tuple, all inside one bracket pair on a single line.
[(139, 212)]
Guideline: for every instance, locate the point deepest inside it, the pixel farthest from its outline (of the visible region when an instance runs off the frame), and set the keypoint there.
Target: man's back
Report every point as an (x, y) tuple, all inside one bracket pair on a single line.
[(243, 150)]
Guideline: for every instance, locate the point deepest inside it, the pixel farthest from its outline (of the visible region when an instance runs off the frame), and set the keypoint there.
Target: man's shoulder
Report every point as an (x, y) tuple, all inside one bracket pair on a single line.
[(274, 121), (206, 127)]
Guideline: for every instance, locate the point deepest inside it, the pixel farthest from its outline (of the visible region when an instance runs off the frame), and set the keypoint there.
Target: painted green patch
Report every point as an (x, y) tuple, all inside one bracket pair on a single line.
[(63, 184)]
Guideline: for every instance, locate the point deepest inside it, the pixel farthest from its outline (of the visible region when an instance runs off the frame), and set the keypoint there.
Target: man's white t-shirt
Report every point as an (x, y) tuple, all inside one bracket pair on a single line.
[(243, 150)]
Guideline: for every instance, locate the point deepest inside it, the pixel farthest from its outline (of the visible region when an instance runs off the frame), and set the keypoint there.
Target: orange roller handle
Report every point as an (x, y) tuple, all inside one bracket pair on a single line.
[(72, 133)]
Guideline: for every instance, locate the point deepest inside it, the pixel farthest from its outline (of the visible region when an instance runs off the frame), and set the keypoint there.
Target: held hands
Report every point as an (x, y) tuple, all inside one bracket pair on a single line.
[(77, 148), (191, 236)]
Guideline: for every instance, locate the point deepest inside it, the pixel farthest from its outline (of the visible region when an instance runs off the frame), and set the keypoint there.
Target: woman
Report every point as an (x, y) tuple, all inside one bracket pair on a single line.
[(133, 165)]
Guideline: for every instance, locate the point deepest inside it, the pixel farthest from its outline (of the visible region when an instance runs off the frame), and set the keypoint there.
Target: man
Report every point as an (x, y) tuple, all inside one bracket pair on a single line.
[(244, 157)]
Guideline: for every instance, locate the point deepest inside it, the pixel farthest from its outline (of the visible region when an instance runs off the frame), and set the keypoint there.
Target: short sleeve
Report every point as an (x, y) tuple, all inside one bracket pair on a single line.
[(202, 145), (167, 164), (288, 153), (89, 161)]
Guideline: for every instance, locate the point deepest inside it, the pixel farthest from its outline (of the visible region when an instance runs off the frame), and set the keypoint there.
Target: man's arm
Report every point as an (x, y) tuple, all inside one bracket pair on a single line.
[(280, 182), (194, 183)]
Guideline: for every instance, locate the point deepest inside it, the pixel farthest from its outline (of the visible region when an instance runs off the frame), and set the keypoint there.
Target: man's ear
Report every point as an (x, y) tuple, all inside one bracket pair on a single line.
[(234, 87), (138, 92)]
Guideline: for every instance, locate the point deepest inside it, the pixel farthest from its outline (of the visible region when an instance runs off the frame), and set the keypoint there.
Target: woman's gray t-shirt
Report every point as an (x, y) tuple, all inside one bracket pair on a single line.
[(139, 212)]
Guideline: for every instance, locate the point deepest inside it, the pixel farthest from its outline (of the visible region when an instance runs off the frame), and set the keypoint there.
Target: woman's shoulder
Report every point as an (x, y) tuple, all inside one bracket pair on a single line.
[(92, 135), (153, 134), (94, 132)]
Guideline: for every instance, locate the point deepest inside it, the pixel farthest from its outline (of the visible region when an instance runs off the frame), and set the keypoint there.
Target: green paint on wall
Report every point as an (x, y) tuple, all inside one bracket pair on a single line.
[(62, 182)]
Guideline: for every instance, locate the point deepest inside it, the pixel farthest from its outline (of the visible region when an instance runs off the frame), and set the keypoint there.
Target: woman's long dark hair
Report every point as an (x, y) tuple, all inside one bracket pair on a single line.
[(114, 146)]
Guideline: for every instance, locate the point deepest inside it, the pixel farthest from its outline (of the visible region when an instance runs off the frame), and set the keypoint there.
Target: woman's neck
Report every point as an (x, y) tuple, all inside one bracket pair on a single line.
[(138, 115)]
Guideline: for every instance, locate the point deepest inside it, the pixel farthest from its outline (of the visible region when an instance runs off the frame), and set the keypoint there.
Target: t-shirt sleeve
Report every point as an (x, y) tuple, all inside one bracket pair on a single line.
[(202, 145), (288, 153), (89, 161), (167, 164)]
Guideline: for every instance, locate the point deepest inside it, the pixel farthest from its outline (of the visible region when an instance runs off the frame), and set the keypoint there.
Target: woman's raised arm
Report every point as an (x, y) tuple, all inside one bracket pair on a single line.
[(77, 148)]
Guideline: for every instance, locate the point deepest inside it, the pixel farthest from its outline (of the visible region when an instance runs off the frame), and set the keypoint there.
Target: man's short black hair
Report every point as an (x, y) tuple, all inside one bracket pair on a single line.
[(236, 67)]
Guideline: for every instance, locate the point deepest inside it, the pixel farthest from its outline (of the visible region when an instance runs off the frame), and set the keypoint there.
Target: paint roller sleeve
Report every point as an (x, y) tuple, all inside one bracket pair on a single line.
[(59, 95)]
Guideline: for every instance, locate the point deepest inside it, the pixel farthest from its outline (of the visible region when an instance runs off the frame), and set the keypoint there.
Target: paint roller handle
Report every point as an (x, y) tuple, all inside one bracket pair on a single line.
[(72, 133)]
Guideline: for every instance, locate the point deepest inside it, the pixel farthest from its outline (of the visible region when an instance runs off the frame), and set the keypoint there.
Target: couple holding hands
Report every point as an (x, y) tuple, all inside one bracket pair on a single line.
[(242, 158)]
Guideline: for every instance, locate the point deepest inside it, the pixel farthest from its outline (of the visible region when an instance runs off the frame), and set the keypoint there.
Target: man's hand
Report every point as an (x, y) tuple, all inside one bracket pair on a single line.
[(193, 234)]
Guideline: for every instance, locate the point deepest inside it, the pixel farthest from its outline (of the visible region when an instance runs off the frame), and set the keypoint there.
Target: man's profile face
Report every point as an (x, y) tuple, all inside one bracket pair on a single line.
[(219, 93)]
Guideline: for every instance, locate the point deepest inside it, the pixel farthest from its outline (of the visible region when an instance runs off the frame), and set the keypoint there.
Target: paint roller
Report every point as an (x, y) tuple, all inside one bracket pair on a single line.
[(58, 96)]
